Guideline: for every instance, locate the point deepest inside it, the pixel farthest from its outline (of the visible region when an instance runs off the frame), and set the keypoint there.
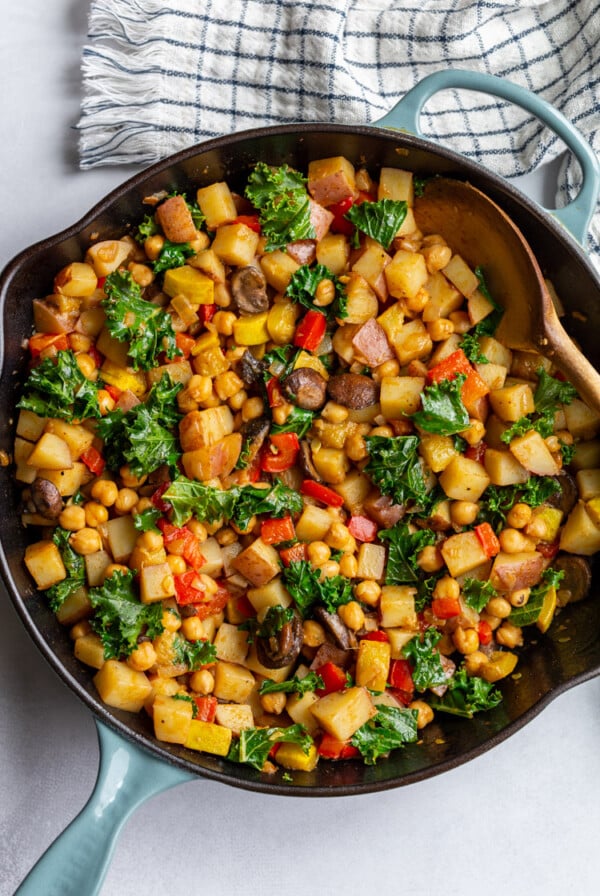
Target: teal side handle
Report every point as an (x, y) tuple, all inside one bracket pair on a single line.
[(77, 862), (577, 214)]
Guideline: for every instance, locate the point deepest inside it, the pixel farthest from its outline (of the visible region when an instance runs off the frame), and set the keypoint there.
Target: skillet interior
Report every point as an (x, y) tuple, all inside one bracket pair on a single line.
[(569, 653)]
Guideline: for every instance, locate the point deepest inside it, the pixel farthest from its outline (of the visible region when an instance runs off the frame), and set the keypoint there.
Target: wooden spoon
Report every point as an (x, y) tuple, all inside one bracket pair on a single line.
[(479, 231)]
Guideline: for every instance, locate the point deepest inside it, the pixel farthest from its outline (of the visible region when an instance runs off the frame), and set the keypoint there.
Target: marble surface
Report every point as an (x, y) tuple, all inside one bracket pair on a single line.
[(523, 818)]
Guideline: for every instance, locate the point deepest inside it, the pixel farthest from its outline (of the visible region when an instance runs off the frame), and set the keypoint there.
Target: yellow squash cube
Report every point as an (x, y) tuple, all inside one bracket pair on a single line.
[(292, 756), (206, 737), (373, 664), (191, 283)]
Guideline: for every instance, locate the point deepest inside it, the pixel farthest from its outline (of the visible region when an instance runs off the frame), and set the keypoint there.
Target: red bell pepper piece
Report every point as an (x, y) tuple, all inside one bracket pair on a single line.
[(477, 452), (113, 391), (206, 708), (41, 341), (401, 680), (287, 446), (157, 500), (363, 528), (331, 748), (450, 367), (274, 531), (377, 635), (184, 342), (93, 460), (321, 493), (190, 548), (548, 549), (488, 540), (294, 554), (334, 678), (484, 630), (186, 588), (340, 224), (251, 221), (212, 606), (207, 312), (445, 607), (310, 331), (274, 392), (101, 282), (244, 607)]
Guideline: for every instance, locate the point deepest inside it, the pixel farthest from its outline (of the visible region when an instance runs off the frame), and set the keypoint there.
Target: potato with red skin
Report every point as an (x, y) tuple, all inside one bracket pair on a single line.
[(331, 180), (320, 218), (371, 343), (176, 220), (212, 461), (511, 572)]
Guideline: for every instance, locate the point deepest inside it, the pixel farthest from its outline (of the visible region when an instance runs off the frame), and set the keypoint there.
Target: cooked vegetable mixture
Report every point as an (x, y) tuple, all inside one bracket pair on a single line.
[(295, 498)]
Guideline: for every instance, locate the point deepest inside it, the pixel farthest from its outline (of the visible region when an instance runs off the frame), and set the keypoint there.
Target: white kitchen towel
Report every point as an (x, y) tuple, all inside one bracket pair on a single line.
[(161, 75)]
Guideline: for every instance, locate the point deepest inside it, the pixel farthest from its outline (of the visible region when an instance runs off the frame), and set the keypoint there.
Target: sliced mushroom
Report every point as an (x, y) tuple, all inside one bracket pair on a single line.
[(249, 290), (250, 368), (382, 509), (566, 498), (306, 388), (329, 653), (577, 579), (283, 648), (353, 390), (254, 433), (305, 462), (340, 633), (46, 498)]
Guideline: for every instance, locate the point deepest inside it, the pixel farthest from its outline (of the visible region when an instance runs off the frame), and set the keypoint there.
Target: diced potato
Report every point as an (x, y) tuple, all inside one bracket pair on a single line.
[(50, 453), (281, 321), (206, 261), (44, 563), (251, 329), (213, 558), (77, 437), (75, 607), (180, 372), (406, 274), (191, 283), (95, 567), (122, 687), (67, 481), (371, 265), (299, 708), (259, 562), (273, 594), (397, 607), (478, 307), (354, 490), (362, 303), (211, 362), (21, 452), (511, 572), (216, 204), (176, 220), (89, 649), (342, 713), (333, 251), (436, 451), (493, 375), (122, 536), (412, 342), (113, 349), (320, 219), (582, 421), (512, 402), (495, 351), (107, 255), (172, 718), (30, 426), (462, 553), (233, 683), (460, 274), (200, 428), (503, 468), (235, 244), (400, 395), (500, 664), (399, 638), (314, 524), (373, 663), (332, 464), (156, 583), (532, 452), (464, 479), (443, 349), (231, 643), (588, 483), (235, 716), (213, 461), (76, 280), (331, 179), (207, 737), (278, 268), (396, 184), (371, 561), (392, 321), (292, 756), (48, 318), (444, 298), (580, 535)]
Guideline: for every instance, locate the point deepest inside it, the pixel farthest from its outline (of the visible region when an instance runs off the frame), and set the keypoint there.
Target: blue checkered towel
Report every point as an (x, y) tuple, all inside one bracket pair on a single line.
[(160, 75)]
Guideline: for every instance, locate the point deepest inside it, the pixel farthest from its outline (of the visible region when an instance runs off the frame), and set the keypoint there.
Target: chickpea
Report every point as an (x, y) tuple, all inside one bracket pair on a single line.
[(142, 505), (143, 657), (368, 592), (446, 587), (355, 447), (519, 515), (78, 342), (436, 257), (325, 293), (352, 615), (519, 598), (461, 321), (87, 366), (171, 621), (250, 526), (474, 661), (281, 412), (348, 565), (227, 385), (223, 296), (509, 635), (329, 569), (113, 568), (252, 408), (153, 246), (430, 559), (466, 640), (86, 541), (236, 402), (198, 529), (492, 621), (72, 517), (129, 479), (340, 539), (177, 564), (385, 431), (150, 541), (474, 433), (80, 629), (313, 633), (126, 500), (199, 388), (95, 514), (273, 703), (105, 491), (463, 513), (141, 273), (537, 529), (318, 553), (224, 321), (226, 536), (440, 329), (424, 712), (512, 541), (388, 368), (417, 303), (499, 607), (202, 681), (106, 402), (192, 628), (334, 413)]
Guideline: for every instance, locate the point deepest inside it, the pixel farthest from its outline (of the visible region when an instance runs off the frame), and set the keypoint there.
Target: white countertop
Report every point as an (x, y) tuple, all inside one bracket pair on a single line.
[(522, 819)]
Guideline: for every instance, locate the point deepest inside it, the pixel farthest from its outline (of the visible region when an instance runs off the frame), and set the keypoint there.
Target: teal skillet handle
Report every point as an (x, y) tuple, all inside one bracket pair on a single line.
[(77, 862), (577, 214)]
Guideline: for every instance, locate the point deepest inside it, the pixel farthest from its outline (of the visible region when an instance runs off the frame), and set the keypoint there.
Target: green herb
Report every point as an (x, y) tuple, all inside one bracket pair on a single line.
[(129, 318), (404, 547), (283, 204), (120, 617), (197, 215), (530, 612), (189, 498), (294, 685), (145, 436), (172, 255), (58, 388), (477, 593), (567, 453), (193, 653), (305, 585), (443, 411), (147, 228), (549, 394), (380, 220), (299, 420), (470, 346), (428, 671), (395, 468), (490, 323), (75, 567), (424, 593), (391, 728), (303, 287), (466, 695), (498, 500), (255, 744), (280, 361), (274, 620), (146, 520)]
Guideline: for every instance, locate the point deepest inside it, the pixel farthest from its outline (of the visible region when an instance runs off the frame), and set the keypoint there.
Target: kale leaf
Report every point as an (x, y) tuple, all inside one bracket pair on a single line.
[(294, 685), (428, 671), (380, 220), (391, 728), (194, 653), (58, 388), (147, 519), (404, 546), (283, 204), (130, 318), (172, 255), (305, 585), (75, 567), (529, 613), (443, 411), (490, 323), (238, 504), (470, 346), (477, 593), (497, 500), (549, 394), (303, 286), (466, 695), (299, 420), (272, 623), (395, 468), (120, 616), (255, 744)]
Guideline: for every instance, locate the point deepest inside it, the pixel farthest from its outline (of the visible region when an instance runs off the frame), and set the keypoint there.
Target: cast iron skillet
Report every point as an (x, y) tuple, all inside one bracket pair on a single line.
[(133, 764)]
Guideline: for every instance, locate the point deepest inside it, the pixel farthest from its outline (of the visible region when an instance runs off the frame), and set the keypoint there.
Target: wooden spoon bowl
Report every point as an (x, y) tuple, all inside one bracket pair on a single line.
[(478, 230)]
